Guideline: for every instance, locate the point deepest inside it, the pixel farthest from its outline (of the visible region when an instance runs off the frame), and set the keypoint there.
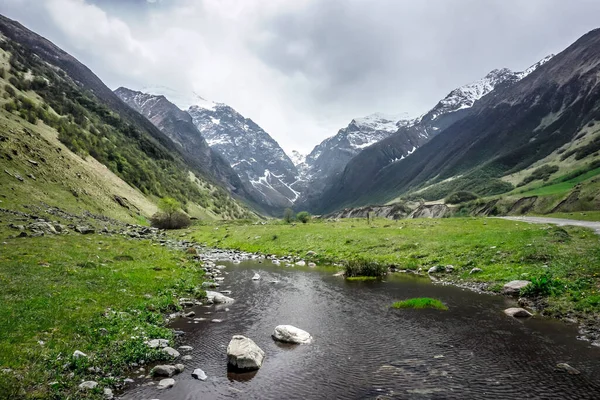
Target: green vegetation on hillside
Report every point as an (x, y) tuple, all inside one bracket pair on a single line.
[(100, 295), (504, 250), (35, 91), (420, 303)]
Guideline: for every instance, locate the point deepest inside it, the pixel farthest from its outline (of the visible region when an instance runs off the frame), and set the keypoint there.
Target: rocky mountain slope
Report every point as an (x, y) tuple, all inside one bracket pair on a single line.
[(392, 138), (252, 153), (178, 126), (49, 96), (526, 117)]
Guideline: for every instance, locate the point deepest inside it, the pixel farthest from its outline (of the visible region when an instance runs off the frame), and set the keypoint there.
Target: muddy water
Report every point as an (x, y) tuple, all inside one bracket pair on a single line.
[(363, 349)]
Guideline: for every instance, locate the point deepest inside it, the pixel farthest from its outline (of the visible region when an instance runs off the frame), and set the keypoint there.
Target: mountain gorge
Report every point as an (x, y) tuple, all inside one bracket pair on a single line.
[(240, 152)]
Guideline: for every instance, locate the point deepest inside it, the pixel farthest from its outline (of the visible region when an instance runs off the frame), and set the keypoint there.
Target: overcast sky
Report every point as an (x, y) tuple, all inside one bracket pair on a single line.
[(302, 69)]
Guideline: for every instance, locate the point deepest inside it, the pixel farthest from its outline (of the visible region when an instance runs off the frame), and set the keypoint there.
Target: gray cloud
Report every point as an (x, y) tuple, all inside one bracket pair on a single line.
[(303, 69)]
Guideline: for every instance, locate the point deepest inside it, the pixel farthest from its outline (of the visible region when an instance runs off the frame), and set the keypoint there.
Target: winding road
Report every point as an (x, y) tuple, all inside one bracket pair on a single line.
[(558, 221)]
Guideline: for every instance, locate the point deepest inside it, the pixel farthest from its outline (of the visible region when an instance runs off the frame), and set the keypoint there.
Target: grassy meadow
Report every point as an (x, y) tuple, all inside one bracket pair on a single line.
[(100, 295), (564, 262)]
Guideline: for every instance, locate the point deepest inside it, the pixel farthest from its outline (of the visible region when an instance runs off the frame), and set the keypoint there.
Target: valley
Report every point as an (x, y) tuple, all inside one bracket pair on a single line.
[(142, 231)]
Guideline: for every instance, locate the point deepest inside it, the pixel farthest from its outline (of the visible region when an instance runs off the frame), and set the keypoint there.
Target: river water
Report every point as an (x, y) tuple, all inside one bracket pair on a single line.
[(362, 349)]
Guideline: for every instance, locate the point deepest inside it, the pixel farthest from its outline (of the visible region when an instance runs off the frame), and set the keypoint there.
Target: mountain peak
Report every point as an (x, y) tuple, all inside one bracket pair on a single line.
[(182, 99)]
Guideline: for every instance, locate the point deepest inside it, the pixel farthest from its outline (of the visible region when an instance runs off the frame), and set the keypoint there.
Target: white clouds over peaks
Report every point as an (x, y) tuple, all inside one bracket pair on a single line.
[(303, 69)]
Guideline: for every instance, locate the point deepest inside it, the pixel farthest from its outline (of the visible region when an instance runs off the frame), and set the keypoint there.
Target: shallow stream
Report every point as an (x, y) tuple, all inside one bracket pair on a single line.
[(364, 349)]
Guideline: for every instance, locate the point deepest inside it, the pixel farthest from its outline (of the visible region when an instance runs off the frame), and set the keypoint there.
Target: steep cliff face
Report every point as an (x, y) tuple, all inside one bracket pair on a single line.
[(252, 153)]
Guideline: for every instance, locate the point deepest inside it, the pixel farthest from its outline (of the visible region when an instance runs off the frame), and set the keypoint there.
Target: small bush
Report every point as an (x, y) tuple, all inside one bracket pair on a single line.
[(361, 267), (10, 90), (544, 285), (460, 197), (176, 220), (288, 215), (542, 173), (303, 217), (420, 303)]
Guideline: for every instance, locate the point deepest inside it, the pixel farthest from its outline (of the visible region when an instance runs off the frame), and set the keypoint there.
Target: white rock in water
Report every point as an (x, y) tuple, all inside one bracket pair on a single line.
[(244, 354), (291, 334), (517, 312), (166, 383), (256, 277), (199, 374), (218, 298), (301, 263)]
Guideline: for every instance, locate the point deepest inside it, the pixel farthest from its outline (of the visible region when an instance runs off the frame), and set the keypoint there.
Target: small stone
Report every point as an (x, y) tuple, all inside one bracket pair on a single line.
[(187, 358), (164, 370), (156, 343), (179, 368), (301, 263), (108, 394), (256, 277), (199, 374), (191, 314), (513, 288), (185, 349), (79, 354), (475, 271), (166, 383), (567, 368), (433, 270), (170, 351), (88, 385)]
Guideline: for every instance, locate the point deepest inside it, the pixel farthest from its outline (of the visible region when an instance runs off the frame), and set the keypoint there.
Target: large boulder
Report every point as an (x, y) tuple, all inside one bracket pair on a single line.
[(243, 354), (517, 312), (513, 288), (291, 334)]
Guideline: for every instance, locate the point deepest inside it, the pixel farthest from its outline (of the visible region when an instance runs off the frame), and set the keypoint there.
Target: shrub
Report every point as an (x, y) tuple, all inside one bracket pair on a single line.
[(176, 220), (544, 285), (541, 173), (303, 216), (361, 267), (460, 197), (288, 215), (10, 90)]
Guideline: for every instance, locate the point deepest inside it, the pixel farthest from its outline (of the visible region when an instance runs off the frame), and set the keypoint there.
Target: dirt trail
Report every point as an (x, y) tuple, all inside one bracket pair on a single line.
[(558, 221)]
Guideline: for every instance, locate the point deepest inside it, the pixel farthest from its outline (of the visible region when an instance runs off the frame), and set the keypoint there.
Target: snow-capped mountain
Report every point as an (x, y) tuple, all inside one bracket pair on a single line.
[(329, 158), (253, 153), (297, 157), (411, 135), (465, 96)]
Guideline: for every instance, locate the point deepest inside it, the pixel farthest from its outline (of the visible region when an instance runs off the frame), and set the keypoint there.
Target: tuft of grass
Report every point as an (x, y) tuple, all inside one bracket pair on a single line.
[(420, 303), (364, 268), (362, 278)]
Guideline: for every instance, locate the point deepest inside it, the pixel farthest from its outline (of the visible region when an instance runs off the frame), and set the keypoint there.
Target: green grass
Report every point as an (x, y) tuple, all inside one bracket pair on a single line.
[(581, 216), (101, 295), (504, 250), (420, 303), (561, 187)]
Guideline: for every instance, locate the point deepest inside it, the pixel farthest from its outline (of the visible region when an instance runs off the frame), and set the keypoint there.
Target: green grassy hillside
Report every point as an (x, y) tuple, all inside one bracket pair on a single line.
[(62, 146)]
